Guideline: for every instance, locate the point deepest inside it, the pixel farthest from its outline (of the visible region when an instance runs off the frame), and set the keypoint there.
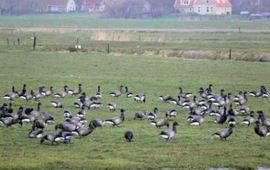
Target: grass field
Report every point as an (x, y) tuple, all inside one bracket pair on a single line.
[(92, 21), (192, 147)]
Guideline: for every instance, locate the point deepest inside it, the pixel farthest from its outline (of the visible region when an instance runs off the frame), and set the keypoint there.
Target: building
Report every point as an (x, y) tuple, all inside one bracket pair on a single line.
[(204, 7), (93, 5), (57, 6)]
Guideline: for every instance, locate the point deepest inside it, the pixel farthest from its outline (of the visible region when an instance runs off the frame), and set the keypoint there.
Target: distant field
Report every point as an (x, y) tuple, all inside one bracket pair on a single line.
[(92, 21), (192, 148)]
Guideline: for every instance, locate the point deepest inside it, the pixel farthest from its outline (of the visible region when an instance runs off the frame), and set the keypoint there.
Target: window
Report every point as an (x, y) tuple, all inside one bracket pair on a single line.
[(207, 9)]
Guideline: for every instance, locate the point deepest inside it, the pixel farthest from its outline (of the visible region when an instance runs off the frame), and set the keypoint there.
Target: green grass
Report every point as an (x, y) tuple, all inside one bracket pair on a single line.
[(92, 21), (192, 147)]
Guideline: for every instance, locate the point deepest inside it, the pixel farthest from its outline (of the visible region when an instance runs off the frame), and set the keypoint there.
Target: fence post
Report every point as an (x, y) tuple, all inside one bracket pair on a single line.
[(18, 41), (108, 48), (230, 54), (34, 42), (7, 41)]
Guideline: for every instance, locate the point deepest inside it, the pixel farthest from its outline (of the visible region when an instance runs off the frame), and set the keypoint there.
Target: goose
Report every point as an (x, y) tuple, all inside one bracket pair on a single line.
[(264, 92), (160, 123), (262, 119), (85, 131), (78, 104), (56, 104), (182, 101), (98, 93), (195, 120), (75, 92), (165, 98), (225, 133), (128, 93), (184, 94), (53, 137), (37, 93), (261, 131), (66, 126), (81, 113), (9, 121), (38, 124), (94, 104), (231, 119), (169, 133), (249, 119), (62, 94), (139, 115), (112, 106), (117, 93), (117, 120), (66, 136), (140, 98), (21, 92), (220, 102), (153, 115), (28, 96), (191, 104), (47, 118), (36, 134), (97, 123), (128, 135), (78, 121), (244, 109), (47, 93), (171, 113), (222, 119), (37, 111), (67, 114), (11, 95), (241, 99)]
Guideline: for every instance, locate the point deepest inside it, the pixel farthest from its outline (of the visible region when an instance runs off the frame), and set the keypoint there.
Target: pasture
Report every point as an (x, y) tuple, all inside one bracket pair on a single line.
[(192, 147), (140, 61)]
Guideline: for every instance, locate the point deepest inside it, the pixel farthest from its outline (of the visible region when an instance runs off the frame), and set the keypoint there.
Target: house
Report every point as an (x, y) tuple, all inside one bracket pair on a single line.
[(93, 5), (57, 6), (204, 7)]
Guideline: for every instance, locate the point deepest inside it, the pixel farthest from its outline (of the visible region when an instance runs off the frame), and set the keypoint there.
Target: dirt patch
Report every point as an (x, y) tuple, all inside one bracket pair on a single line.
[(99, 36)]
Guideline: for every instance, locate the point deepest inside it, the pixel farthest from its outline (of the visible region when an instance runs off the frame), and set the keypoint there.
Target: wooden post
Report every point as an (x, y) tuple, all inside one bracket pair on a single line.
[(230, 54), (108, 48), (239, 29), (18, 41), (34, 42), (7, 41)]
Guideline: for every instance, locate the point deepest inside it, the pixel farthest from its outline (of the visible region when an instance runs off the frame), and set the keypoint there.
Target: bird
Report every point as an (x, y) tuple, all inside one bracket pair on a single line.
[(225, 133), (262, 119), (63, 93), (117, 120), (112, 106), (169, 133), (56, 104), (249, 119), (139, 115), (47, 92), (222, 119), (128, 135), (160, 123), (128, 93), (195, 120), (85, 131), (75, 92), (11, 95), (38, 133), (171, 113), (140, 98), (28, 96), (98, 93), (153, 114), (117, 93), (184, 94), (53, 137), (260, 130)]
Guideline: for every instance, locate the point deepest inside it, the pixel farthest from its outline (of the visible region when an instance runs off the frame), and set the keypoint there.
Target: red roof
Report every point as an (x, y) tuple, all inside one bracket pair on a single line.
[(223, 3)]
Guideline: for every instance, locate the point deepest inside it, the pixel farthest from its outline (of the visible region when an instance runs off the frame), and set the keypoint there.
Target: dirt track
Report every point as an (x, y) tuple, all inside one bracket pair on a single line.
[(63, 30)]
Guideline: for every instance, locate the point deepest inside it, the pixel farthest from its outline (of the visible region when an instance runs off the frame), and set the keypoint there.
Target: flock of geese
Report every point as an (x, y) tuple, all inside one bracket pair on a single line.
[(223, 107)]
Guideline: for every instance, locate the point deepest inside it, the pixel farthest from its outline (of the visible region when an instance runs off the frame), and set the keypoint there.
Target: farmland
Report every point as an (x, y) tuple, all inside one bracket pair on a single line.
[(52, 64)]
